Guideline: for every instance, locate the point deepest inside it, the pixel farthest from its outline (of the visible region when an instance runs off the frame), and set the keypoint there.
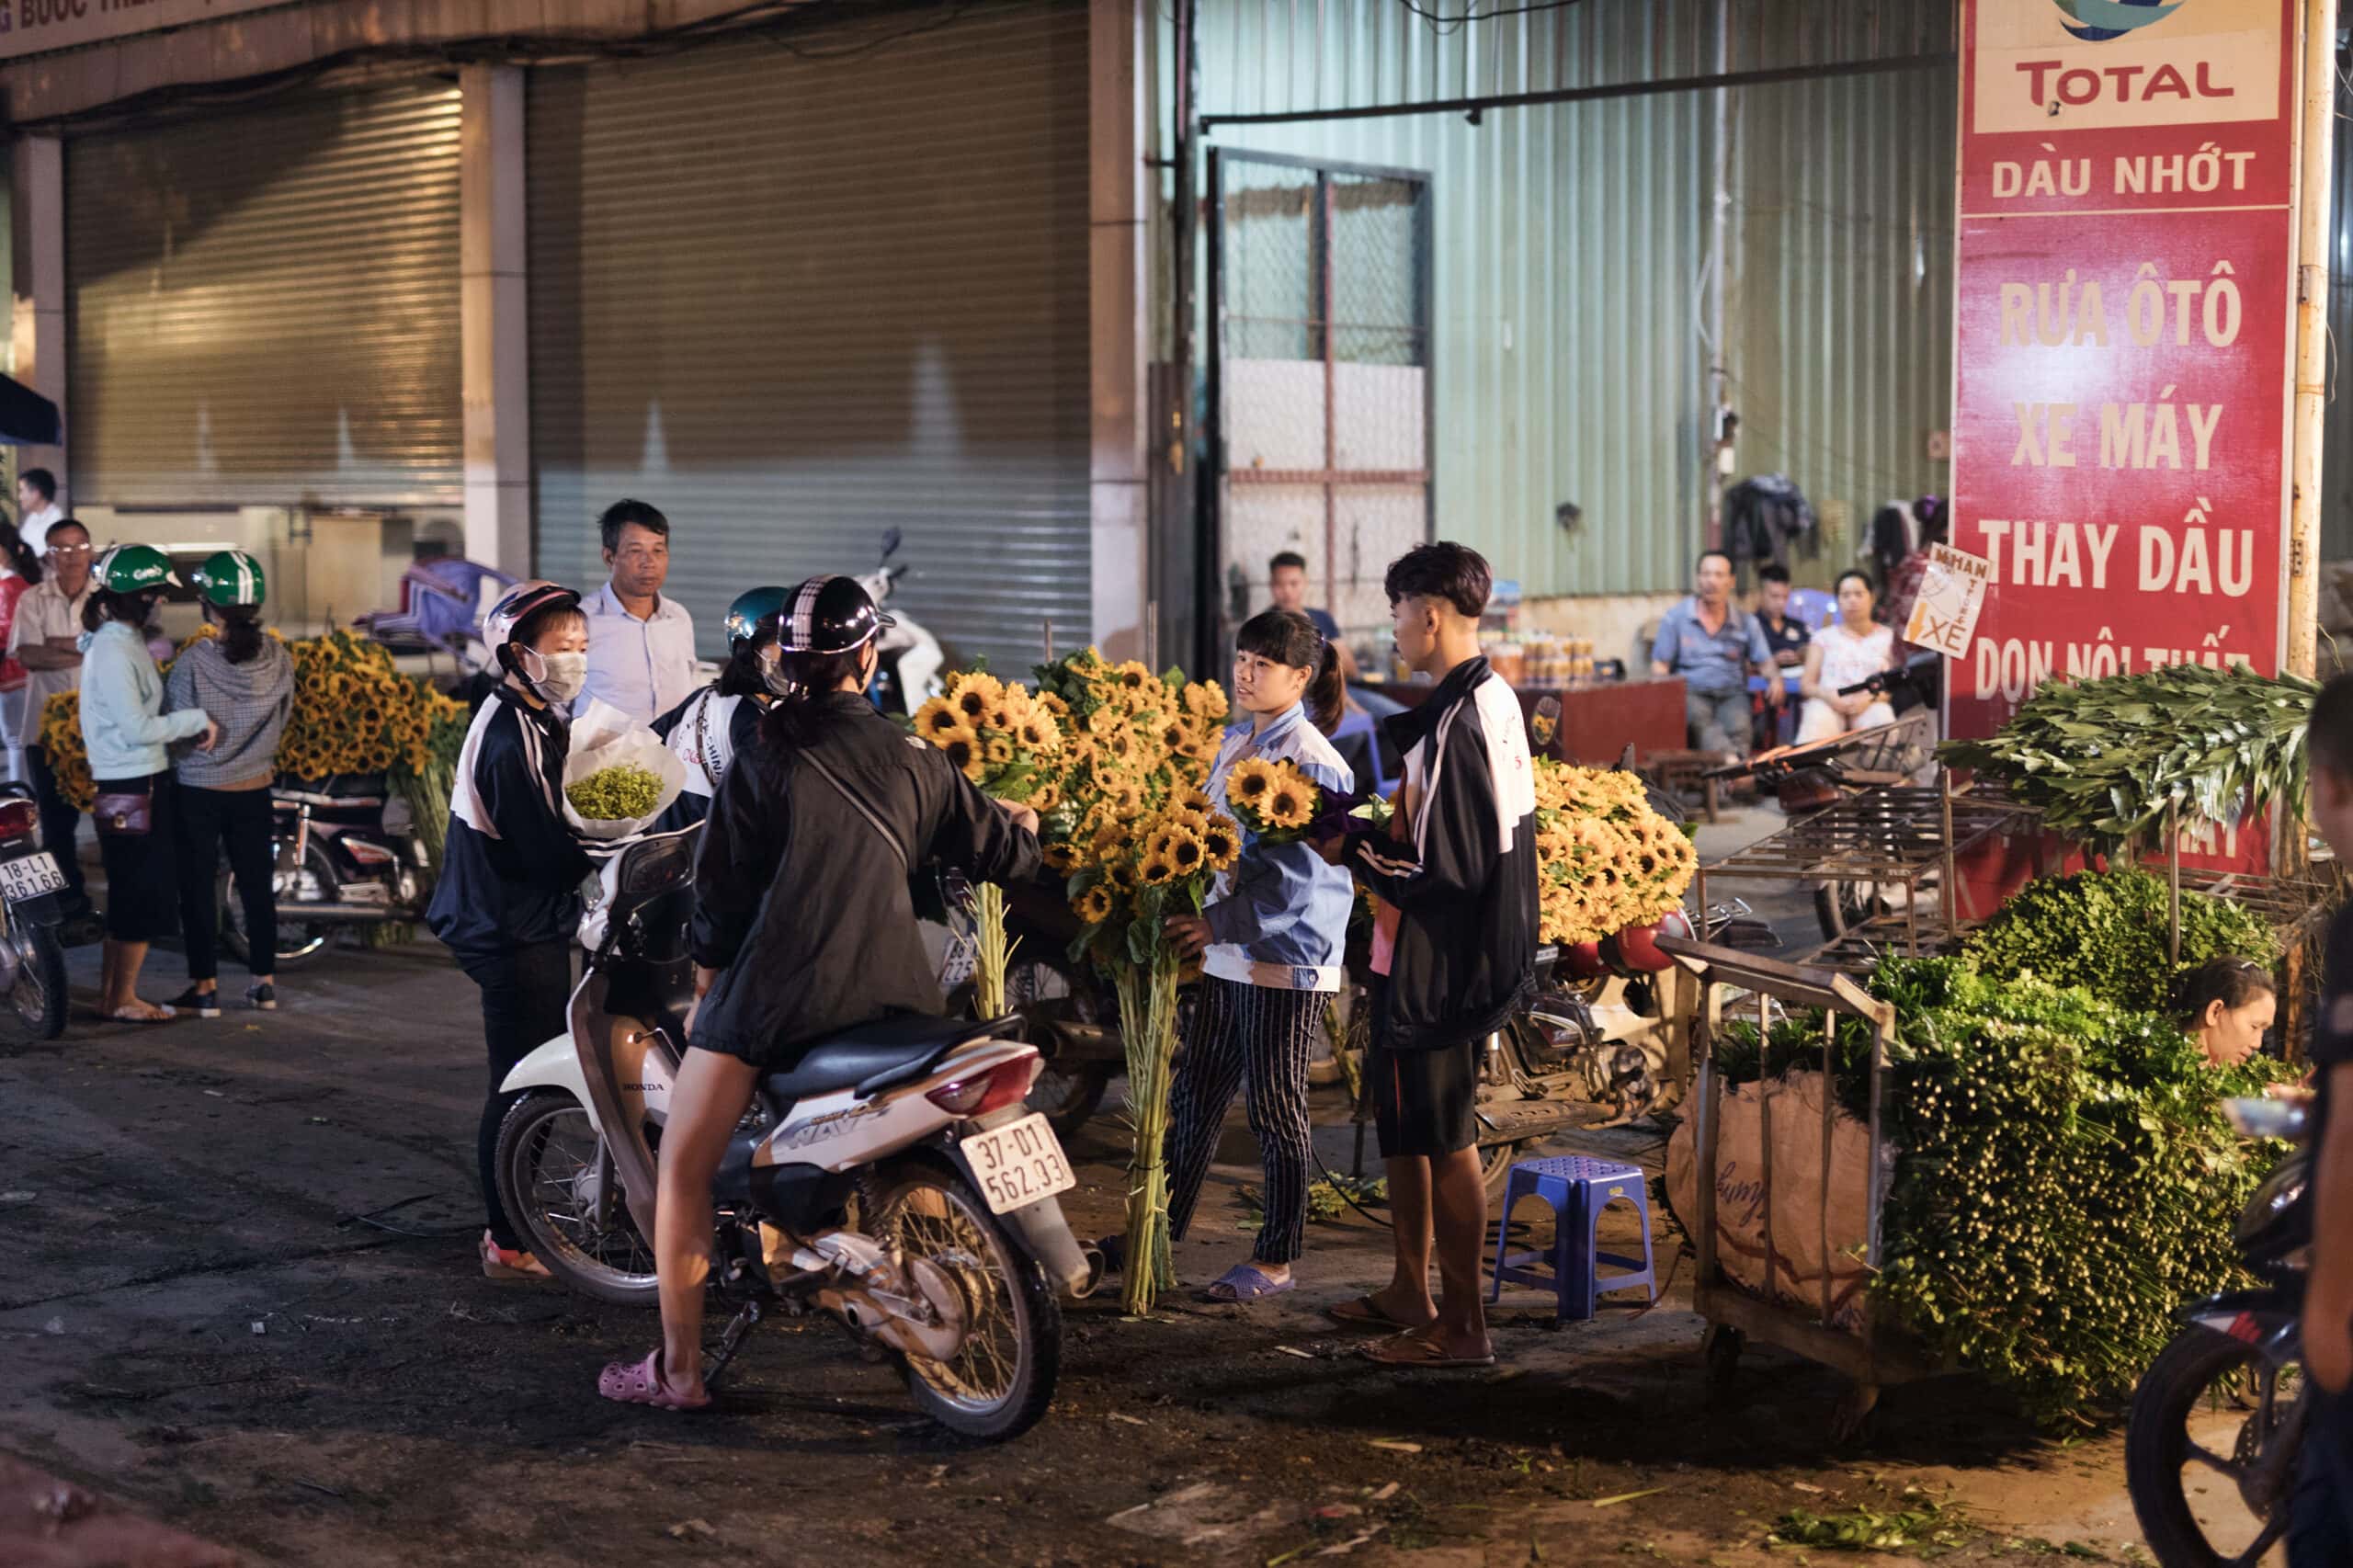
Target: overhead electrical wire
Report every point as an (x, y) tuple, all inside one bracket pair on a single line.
[(1443, 24)]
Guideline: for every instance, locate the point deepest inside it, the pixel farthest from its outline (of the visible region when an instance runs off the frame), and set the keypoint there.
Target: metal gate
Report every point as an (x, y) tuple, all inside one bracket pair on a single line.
[(1319, 383)]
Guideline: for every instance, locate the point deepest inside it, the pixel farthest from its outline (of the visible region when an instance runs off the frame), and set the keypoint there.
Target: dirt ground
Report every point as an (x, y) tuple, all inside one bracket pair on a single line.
[(196, 1326)]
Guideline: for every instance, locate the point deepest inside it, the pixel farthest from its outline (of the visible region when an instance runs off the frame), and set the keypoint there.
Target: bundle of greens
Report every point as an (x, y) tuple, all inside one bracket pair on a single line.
[(2065, 1180), (618, 793), (2107, 932), (2103, 758)]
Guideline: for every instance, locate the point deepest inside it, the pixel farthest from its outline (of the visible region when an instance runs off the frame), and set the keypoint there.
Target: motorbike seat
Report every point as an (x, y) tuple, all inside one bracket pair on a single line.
[(874, 1056)]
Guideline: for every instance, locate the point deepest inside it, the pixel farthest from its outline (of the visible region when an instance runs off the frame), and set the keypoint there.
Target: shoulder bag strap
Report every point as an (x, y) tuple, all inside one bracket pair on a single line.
[(826, 771)]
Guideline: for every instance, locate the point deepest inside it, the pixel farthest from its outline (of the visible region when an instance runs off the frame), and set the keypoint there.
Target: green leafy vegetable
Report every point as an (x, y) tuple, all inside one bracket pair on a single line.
[(2103, 758), (2106, 931), (621, 792), (2064, 1181)]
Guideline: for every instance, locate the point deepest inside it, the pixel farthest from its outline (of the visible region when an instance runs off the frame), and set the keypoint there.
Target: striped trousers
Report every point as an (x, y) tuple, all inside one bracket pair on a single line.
[(1261, 1037)]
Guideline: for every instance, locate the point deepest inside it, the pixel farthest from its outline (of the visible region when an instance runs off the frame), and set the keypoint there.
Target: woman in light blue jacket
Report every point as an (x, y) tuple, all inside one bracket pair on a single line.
[(126, 730), (1272, 939)]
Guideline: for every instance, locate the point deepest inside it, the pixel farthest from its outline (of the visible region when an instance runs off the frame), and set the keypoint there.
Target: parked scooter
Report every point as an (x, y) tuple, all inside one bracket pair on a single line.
[(2228, 1394), (346, 854), (891, 1180), (32, 958), (907, 675)]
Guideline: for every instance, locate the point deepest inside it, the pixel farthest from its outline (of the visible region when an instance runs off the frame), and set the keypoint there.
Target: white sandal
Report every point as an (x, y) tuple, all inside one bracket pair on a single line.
[(161, 1015)]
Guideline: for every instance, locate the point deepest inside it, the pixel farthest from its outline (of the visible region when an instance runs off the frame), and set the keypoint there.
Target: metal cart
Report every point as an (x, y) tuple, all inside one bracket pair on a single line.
[(1874, 1355)]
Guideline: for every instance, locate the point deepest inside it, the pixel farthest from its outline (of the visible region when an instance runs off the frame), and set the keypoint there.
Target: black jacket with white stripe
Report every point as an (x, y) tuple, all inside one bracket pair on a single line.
[(515, 880), (1459, 864)]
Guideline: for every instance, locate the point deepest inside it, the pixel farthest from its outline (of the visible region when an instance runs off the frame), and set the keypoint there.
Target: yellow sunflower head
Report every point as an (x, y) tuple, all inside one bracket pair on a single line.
[(998, 749), (1156, 871), (1289, 804), (1194, 801), (937, 718), (963, 749), (1094, 905), (1186, 851), (1220, 841), (1250, 782), (1132, 677)]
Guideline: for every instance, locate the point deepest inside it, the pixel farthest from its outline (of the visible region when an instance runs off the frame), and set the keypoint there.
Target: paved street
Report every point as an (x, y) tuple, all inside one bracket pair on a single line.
[(198, 1325)]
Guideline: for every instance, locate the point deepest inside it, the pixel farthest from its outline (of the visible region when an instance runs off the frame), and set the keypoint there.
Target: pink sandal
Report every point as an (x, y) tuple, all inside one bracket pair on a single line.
[(640, 1382)]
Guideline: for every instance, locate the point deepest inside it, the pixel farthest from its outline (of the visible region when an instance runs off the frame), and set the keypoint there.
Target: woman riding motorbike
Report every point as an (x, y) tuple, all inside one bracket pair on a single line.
[(509, 899), (803, 923), (714, 723)]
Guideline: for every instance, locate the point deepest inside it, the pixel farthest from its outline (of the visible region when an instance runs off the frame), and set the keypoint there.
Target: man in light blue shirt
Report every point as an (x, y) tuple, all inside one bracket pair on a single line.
[(1714, 644), (641, 645)]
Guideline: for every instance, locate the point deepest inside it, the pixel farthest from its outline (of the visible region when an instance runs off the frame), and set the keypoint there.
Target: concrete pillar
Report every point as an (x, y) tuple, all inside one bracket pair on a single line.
[(37, 325), (1119, 334), (497, 372)]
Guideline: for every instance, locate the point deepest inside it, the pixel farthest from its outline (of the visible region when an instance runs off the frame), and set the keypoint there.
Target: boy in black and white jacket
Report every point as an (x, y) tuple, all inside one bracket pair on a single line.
[(1457, 867)]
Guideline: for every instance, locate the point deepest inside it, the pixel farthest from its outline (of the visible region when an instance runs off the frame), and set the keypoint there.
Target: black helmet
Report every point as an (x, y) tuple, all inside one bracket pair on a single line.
[(828, 615)]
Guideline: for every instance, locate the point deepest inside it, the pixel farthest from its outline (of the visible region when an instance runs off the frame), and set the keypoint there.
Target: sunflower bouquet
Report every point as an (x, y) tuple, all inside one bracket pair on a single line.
[(1273, 800), (1606, 861), (999, 736), (1138, 842)]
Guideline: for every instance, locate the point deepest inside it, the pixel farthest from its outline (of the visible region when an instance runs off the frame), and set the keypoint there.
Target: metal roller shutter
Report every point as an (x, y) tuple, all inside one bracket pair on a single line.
[(265, 306), (794, 300)]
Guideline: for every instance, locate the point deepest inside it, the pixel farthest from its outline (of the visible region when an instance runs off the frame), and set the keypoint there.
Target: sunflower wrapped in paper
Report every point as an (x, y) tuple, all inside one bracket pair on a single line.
[(1606, 861)]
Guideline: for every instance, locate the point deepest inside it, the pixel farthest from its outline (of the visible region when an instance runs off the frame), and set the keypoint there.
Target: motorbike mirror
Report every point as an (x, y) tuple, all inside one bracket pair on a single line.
[(890, 543)]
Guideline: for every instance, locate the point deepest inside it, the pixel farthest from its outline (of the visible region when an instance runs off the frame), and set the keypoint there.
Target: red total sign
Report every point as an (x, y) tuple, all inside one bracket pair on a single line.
[(2124, 337)]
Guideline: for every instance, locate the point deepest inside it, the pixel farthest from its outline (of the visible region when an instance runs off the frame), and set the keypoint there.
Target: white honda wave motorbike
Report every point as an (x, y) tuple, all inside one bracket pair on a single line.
[(907, 673), (892, 1180)]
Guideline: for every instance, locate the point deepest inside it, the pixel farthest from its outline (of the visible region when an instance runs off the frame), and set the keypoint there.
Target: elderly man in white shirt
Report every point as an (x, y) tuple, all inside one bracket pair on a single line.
[(641, 645)]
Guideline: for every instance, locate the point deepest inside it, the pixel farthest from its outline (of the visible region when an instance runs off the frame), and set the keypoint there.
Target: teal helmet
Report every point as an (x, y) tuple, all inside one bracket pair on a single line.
[(751, 608), (230, 578), (133, 569)]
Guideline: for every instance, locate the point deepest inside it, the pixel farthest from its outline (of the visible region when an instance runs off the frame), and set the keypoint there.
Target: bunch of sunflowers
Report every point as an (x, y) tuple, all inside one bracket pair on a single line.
[(1273, 800), (1001, 737), (1135, 742), (1606, 861), (355, 713)]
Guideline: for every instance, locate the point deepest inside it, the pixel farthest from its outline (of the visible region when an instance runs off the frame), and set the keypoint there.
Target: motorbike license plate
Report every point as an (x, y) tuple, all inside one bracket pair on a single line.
[(29, 876), (1018, 1164)]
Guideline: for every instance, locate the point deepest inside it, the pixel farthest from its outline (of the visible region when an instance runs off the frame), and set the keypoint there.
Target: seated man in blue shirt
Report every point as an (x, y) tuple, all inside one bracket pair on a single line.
[(1714, 644)]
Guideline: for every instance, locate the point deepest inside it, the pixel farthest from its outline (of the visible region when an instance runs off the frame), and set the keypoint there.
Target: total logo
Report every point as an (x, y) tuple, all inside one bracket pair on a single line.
[(2096, 21)]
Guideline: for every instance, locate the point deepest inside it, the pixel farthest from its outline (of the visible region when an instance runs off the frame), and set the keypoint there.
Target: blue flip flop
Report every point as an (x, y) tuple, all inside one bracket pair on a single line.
[(1248, 1282)]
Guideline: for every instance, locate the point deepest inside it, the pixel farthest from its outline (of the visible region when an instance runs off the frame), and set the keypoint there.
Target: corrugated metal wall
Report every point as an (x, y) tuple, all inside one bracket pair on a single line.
[(264, 304), (796, 299), (1571, 250)]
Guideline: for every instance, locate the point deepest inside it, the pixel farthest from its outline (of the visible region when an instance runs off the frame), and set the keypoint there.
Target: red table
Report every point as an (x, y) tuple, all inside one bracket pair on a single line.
[(1597, 722)]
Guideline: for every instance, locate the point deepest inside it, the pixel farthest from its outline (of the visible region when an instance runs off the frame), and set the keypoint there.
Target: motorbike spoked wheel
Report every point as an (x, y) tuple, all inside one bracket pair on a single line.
[(34, 1007), (298, 941), (560, 1192), (1839, 907), (2214, 1403), (1002, 1378)]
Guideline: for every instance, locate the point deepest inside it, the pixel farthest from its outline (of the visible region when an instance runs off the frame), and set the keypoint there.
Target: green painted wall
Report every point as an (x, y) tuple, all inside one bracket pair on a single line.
[(1572, 249)]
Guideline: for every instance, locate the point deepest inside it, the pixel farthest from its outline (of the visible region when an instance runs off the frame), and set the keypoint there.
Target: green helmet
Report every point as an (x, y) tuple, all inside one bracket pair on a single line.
[(752, 606), (134, 568), (230, 577)]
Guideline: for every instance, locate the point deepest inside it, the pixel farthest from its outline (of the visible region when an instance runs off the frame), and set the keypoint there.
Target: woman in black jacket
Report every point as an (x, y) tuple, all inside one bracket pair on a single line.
[(508, 899), (803, 924)]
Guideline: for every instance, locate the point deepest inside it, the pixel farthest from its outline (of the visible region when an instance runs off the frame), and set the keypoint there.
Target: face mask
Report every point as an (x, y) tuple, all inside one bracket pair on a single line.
[(556, 677)]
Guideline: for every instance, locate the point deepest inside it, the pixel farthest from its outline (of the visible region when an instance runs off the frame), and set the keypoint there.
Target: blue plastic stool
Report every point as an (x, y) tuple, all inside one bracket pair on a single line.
[(1578, 1188)]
